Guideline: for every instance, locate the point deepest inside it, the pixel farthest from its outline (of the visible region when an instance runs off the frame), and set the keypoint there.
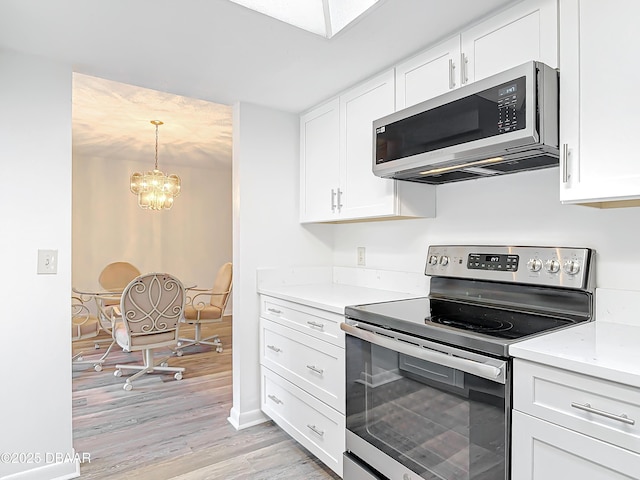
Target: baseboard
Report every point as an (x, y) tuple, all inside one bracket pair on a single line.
[(247, 419), (51, 471)]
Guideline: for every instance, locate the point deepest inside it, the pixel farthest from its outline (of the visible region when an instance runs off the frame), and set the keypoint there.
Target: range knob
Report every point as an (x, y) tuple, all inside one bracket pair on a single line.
[(444, 260), (552, 266), (433, 260), (571, 267), (534, 264)]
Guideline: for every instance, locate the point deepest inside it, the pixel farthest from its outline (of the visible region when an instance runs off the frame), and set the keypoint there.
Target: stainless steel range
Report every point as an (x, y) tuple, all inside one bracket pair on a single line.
[(429, 379)]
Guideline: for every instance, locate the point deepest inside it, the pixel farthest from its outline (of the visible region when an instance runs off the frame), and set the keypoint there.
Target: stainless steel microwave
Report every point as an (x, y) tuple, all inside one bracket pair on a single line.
[(502, 124)]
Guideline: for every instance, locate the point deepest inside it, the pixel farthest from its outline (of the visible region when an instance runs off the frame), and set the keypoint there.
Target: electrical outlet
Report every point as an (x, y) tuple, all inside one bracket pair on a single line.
[(47, 262), (361, 256)]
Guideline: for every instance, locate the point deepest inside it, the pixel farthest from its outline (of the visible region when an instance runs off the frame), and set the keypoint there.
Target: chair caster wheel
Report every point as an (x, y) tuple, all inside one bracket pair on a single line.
[(178, 376), (179, 353), (118, 373), (80, 358), (164, 364), (219, 349), (97, 368), (128, 387)]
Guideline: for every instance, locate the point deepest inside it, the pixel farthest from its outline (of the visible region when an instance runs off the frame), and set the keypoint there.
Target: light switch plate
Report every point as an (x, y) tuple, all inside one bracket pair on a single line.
[(47, 262)]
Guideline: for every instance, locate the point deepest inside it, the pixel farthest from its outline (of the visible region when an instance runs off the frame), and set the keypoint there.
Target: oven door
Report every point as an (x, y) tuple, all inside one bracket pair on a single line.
[(418, 409)]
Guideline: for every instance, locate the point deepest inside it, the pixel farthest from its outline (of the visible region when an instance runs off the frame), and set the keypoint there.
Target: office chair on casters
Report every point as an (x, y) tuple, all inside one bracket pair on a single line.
[(206, 306), (117, 275), (84, 325), (151, 308), (113, 278)]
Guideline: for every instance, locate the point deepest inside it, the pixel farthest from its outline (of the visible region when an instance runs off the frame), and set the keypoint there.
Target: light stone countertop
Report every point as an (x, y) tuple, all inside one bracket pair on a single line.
[(332, 297), (606, 350)]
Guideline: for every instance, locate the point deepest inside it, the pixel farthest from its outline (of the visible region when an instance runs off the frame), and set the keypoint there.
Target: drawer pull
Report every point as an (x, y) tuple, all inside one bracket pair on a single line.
[(275, 399), (316, 430), (313, 368), (274, 310), (274, 348), (588, 408), (316, 324)]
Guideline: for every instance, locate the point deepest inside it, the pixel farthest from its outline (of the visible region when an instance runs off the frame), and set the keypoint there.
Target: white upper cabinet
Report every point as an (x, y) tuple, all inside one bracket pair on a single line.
[(528, 31), (428, 74), (598, 47), (337, 181), (362, 193), (320, 161)]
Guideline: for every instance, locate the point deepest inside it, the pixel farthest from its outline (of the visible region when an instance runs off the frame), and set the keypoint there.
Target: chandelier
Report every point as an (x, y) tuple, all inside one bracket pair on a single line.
[(155, 190)]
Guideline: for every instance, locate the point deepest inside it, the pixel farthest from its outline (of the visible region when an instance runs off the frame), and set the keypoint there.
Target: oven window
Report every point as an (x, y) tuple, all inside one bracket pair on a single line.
[(439, 422)]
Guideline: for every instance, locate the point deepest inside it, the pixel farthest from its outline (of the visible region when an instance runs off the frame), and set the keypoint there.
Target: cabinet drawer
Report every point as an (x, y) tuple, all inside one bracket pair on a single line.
[(312, 321), (316, 426), (599, 408), (309, 363)]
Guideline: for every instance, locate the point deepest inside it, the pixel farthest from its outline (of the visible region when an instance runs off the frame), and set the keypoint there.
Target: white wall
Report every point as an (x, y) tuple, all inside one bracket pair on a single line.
[(35, 151), (266, 233), (518, 209), (192, 240)]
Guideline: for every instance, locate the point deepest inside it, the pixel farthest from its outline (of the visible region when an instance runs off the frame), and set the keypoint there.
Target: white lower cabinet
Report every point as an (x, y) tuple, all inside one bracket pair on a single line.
[(569, 425), (545, 451), (318, 427), (303, 376)]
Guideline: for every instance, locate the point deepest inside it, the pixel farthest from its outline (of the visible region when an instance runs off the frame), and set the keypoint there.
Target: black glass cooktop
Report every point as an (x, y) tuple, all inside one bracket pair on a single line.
[(475, 327)]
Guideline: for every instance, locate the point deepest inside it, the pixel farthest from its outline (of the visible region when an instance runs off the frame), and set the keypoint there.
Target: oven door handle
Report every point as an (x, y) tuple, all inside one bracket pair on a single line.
[(473, 367)]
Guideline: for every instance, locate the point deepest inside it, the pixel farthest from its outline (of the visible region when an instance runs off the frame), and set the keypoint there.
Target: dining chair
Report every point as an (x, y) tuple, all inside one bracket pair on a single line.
[(151, 308), (206, 306), (84, 325)]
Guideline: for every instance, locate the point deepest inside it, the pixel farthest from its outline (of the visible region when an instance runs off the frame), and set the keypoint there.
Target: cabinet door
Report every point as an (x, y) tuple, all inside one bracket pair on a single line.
[(598, 52), (362, 194), (544, 451), (429, 74), (319, 162), (528, 31)]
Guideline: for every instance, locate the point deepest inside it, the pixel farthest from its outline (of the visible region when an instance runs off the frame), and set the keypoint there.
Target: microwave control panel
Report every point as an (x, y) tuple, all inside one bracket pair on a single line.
[(508, 107)]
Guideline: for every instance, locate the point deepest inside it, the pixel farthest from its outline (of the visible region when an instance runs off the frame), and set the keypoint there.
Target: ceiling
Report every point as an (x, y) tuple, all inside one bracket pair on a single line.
[(211, 50)]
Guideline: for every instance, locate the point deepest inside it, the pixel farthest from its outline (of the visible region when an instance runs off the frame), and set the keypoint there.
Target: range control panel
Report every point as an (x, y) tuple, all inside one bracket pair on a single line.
[(549, 266), (493, 261)]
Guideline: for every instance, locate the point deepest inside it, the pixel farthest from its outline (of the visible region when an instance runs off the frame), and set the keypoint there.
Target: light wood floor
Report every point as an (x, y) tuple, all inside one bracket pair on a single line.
[(166, 429)]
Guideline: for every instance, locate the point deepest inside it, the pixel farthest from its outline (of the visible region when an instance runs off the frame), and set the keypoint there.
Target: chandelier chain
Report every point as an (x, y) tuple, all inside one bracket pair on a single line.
[(156, 146)]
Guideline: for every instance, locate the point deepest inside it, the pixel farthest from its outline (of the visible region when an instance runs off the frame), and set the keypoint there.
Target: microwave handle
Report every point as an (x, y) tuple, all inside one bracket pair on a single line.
[(466, 365)]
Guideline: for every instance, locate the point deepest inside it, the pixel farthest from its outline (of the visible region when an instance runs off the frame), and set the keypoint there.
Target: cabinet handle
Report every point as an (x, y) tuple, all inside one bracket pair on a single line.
[(313, 368), (588, 408), (452, 82), (274, 310), (274, 348), (565, 163), (315, 429), (316, 324), (339, 200), (333, 200), (275, 399), (463, 69)]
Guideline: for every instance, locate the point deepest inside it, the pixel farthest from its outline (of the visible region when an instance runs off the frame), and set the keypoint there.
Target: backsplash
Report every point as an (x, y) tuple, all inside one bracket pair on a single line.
[(408, 282), (521, 209)]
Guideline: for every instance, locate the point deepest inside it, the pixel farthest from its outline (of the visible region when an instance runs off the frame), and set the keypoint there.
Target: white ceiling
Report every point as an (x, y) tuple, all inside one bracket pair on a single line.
[(212, 50)]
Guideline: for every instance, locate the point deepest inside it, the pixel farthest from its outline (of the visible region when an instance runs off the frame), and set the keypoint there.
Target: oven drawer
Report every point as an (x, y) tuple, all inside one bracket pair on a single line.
[(311, 364), (312, 321), (599, 408), (318, 427)]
